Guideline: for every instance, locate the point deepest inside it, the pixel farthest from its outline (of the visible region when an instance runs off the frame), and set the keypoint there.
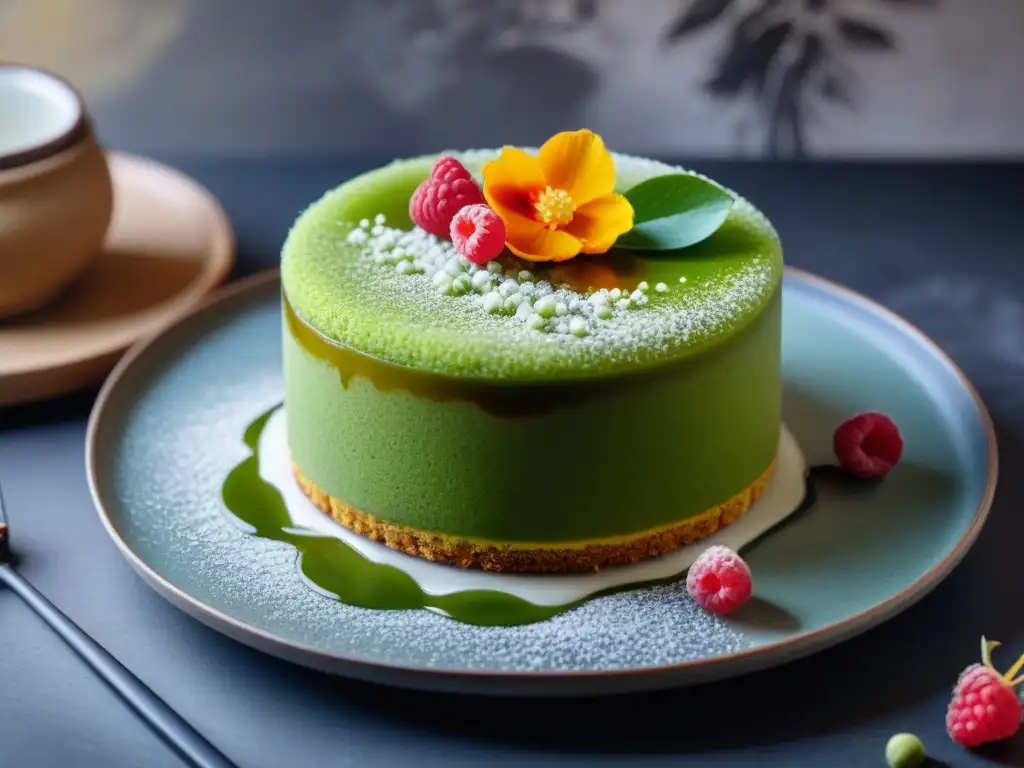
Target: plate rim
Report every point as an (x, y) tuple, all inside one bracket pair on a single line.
[(517, 682)]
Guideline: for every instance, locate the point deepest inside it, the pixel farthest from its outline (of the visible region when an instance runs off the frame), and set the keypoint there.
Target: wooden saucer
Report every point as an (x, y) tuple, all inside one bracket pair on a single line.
[(169, 244)]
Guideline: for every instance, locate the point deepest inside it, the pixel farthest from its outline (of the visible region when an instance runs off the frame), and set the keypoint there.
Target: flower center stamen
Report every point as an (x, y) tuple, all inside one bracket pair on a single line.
[(554, 207)]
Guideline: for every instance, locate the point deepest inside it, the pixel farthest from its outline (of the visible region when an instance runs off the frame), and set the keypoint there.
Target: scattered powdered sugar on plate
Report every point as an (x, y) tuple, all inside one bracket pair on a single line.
[(650, 627), (182, 436)]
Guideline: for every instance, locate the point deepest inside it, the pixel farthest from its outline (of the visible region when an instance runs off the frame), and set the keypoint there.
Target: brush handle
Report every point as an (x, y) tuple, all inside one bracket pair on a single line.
[(167, 724)]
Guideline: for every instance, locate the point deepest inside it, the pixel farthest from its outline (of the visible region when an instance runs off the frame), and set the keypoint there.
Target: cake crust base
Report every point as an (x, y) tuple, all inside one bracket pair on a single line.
[(580, 556)]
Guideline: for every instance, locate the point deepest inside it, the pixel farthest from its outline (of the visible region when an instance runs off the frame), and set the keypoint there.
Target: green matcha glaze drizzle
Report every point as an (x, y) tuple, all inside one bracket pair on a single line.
[(340, 570), (494, 398), (386, 377), (335, 567)]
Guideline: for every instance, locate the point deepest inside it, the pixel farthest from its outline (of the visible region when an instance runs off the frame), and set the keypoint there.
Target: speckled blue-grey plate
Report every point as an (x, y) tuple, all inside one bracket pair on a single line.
[(167, 428)]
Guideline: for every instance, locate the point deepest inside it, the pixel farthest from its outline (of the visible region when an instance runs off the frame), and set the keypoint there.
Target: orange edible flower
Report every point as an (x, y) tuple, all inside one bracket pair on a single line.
[(559, 203)]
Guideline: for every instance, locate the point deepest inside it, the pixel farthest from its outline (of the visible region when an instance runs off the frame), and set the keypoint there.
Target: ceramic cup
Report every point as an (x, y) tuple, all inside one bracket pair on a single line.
[(56, 195)]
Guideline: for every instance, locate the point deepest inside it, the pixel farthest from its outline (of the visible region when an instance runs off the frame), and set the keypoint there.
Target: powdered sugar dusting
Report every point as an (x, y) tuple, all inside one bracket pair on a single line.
[(409, 297), (174, 518), (532, 300), (650, 627)]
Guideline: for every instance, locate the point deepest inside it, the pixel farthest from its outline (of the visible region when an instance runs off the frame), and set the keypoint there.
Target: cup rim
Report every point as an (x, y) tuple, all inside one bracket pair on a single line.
[(44, 149)]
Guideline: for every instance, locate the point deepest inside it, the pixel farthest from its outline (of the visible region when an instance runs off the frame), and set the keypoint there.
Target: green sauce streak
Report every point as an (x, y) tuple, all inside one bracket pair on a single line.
[(335, 567), (501, 400), (340, 570)]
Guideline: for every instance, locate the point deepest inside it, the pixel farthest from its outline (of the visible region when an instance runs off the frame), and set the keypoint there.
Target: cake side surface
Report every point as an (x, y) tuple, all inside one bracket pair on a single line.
[(633, 407), (530, 557), (556, 462)]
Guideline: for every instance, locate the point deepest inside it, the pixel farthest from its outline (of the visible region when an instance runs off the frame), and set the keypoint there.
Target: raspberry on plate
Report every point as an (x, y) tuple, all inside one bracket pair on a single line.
[(719, 580), (448, 189), (868, 445), (985, 706), (478, 233)]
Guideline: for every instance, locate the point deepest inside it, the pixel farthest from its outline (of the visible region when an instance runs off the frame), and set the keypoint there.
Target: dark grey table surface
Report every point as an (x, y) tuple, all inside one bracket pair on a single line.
[(939, 244)]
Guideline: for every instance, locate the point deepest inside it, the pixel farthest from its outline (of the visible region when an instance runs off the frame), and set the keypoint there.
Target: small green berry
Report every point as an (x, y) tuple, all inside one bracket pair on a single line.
[(905, 750)]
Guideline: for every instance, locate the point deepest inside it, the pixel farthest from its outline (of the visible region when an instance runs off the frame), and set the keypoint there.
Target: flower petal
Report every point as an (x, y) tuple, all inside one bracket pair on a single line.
[(599, 223), (543, 244), (511, 183), (519, 229), (578, 162)]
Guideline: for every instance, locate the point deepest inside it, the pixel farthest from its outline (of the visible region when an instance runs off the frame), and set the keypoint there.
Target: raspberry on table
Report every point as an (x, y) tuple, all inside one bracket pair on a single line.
[(719, 580), (985, 706), (478, 233), (868, 445), (448, 189)]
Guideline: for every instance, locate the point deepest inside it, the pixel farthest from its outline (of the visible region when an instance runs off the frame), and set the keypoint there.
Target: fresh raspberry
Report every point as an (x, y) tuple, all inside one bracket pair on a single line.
[(447, 168), (719, 580), (478, 233), (435, 202), (985, 706), (868, 445)]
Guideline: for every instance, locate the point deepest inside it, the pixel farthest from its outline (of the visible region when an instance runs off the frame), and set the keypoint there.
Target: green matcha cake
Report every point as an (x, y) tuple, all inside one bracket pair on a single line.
[(593, 395)]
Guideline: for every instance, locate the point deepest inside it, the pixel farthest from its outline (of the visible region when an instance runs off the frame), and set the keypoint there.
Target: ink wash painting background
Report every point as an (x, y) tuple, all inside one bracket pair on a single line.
[(694, 78)]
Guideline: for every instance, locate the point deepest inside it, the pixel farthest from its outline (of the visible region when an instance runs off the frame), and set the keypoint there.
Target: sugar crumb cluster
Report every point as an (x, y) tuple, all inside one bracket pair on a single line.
[(514, 292)]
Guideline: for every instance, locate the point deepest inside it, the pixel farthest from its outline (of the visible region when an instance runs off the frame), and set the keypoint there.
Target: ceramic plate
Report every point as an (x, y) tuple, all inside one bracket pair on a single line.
[(169, 244), (167, 429)]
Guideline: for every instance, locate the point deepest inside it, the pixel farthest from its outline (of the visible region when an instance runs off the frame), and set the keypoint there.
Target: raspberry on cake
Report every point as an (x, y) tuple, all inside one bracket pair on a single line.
[(576, 406), (448, 189), (478, 233)]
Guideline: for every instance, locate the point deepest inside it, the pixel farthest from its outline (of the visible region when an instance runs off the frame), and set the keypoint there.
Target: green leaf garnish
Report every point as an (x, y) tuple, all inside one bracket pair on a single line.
[(674, 211)]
